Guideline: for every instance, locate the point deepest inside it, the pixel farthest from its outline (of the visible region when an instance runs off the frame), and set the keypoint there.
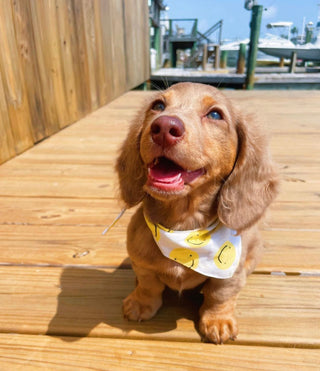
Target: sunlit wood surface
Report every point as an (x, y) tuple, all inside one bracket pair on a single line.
[(62, 59), (62, 282)]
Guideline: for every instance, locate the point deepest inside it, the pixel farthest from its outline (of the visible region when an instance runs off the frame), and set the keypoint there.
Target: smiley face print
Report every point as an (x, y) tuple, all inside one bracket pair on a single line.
[(156, 229), (186, 257), (226, 255), (198, 238)]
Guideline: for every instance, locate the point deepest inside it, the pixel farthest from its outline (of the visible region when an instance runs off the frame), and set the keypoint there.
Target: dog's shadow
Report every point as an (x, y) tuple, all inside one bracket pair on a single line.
[(93, 297)]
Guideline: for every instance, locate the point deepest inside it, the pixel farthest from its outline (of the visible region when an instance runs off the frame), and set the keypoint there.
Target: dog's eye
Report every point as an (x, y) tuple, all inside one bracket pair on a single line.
[(214, 115), (158, 106)]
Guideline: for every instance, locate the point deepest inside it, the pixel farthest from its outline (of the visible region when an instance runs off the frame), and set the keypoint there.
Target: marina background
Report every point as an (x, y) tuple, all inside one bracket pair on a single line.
[(236, 18)]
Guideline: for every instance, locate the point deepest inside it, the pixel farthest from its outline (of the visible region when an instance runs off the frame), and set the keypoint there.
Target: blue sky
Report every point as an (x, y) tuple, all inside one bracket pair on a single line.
[(236, 18)]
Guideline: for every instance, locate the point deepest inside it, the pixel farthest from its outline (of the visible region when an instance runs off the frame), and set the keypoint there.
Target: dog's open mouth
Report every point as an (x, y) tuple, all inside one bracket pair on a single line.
[(168, 176)]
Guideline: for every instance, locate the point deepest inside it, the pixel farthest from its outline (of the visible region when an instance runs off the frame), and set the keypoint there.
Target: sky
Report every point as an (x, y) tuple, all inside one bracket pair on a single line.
[(236, 18)]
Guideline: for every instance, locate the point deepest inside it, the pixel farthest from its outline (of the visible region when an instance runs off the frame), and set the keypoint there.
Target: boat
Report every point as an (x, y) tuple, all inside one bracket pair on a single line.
[(307, 52), (283, 48), (233, 52)]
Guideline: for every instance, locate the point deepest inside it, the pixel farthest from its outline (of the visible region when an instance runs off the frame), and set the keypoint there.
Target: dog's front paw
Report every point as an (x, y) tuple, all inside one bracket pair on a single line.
[(218, 329), (142, 309)]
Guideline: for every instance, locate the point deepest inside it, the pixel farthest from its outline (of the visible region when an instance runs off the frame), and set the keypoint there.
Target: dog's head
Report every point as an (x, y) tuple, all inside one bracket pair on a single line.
[(191, 138)]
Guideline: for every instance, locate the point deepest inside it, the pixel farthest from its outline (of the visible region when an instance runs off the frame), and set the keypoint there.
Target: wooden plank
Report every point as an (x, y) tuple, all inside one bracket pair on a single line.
[(301, 147), (103, 91), (62, 245), (293, 191), (48, 11), (102, 168), (81, 187), (13, 82), (70, 67), (105, 22), (7, 149), (83, 244), (82, 77), (38, 353), (29, 63), (87, 302), (299, 215), (118, 49), (294, 251), (58, 187), (305, 215), (44, 18), (136, 52), (60, 212), (88, 10), (44, 73)]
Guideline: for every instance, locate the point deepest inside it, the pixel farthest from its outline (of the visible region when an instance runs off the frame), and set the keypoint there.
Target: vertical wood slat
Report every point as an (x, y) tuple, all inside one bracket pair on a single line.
[(52, 52), (29, 63), (13, 83), (103, 90), (65, 19), (106, 31), (83, 78), (90, 40), (118, 52), (136, 40), (6, 138), (61, 59), (44, 74), (44, 20)]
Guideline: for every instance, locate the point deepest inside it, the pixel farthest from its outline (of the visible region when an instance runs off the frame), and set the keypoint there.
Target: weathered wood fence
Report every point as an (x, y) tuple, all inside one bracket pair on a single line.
[(60, 59)]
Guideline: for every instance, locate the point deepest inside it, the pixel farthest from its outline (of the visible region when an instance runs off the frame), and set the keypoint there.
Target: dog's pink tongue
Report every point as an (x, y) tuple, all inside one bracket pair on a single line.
[(168, 176), (166, 171)]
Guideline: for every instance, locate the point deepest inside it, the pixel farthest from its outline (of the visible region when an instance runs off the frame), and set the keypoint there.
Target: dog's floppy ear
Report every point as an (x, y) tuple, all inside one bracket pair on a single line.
[(129, 166), (253, 183)]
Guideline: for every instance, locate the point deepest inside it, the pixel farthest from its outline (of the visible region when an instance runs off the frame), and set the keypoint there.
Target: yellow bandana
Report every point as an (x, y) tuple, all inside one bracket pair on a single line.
[(213, 252)]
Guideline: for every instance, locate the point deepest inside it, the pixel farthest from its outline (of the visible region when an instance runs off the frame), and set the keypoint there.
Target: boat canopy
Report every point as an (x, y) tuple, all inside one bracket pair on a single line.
[(279, 24)]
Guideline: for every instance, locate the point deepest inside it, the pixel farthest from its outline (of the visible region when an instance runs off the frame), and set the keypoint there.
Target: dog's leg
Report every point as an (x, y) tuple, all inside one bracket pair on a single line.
[(217, 320), (145, 300)]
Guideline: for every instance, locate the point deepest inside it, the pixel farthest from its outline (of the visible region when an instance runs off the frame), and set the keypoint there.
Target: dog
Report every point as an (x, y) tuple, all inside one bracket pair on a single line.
[(201, 171)]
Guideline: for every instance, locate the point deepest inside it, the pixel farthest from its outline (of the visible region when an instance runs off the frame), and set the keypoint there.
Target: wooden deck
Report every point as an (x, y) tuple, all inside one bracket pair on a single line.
[(265, 77), (62, 282)]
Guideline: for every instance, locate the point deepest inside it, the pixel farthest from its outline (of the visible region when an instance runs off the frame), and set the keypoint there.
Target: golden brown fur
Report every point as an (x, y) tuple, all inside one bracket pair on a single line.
[(238, 184)]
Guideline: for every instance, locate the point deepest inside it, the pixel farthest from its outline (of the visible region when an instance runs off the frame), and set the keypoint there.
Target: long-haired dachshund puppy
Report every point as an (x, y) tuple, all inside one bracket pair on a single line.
[(204, 177)]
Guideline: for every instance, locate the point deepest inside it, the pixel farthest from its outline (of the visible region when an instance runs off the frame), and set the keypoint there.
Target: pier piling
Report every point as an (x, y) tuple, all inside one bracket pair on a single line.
[(254, 39)]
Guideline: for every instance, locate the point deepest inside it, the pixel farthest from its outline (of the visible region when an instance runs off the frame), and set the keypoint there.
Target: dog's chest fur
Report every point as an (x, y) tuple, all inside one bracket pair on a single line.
[(180, 278)]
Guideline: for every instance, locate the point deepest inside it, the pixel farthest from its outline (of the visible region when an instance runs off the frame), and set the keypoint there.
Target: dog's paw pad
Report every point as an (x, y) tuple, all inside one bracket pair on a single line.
[(133, 310), (218, 330)]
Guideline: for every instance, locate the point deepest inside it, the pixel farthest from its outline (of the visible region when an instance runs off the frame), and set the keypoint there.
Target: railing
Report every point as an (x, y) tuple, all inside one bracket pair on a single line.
[(207, 35), (188, 28), (181, 28)]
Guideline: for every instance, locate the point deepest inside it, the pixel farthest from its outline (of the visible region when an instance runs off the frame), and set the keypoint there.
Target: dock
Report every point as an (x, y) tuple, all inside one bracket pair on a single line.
[(265, 78), (62, 282)]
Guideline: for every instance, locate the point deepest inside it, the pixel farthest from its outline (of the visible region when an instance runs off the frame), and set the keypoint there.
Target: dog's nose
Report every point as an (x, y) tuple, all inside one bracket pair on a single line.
[(167, 130)]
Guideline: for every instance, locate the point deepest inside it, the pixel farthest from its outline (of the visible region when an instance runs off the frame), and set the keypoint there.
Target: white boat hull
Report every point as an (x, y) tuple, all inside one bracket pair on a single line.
[(304, 53)]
